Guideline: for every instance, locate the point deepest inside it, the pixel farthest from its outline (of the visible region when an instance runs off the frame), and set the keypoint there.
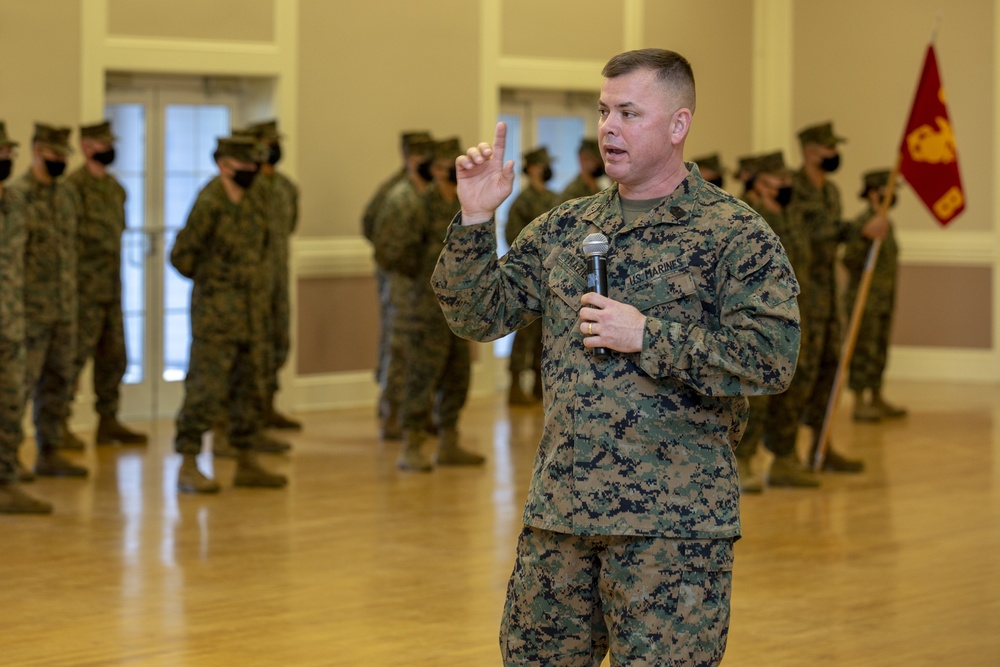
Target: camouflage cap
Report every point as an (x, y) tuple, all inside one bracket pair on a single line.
[(101, 132), (590, 145), (5, 141), (420, 140), (764, 163), (537, 156), (873, 180), (240, 147), (712, 162), (821, 134), (55, 138), (447, 149), (266, 130)]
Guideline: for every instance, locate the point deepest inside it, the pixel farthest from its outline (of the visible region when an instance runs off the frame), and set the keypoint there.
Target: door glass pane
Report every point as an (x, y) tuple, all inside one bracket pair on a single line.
[(128, 122), (562, 135), (190, 138)]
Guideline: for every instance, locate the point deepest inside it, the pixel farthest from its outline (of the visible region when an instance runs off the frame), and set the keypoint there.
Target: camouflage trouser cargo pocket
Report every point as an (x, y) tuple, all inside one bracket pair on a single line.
[(648, 600)]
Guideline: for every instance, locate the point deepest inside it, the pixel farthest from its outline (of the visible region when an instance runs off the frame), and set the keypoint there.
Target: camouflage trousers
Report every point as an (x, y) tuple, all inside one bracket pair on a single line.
[(222, 376), (11, 405), (437, 375), (100, 334), (48, 378), (396, 326), (648, 600), (822, 351), (526, 352), (871, 349), (774, 420), (279, 330)]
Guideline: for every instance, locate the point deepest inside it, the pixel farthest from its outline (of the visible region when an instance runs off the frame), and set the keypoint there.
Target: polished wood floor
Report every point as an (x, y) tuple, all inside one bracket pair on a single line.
[(357, 564)]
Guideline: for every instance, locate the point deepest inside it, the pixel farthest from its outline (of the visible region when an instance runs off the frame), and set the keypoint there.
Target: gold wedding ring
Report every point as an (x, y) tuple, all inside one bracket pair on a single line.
[(590, 328)]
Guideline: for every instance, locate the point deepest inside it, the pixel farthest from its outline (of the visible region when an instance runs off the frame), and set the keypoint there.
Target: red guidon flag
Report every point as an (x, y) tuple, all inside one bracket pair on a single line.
[(928, 160)]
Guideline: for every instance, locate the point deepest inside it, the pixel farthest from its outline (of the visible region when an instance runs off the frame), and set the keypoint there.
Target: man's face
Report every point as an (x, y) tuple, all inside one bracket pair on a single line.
[(230, 165), (92, 146), (634, 130), (814, 154), (768, 184), (441, 169)]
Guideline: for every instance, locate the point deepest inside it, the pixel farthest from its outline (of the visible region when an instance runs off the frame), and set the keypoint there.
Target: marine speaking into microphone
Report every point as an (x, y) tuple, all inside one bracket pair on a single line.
[(595, 250)]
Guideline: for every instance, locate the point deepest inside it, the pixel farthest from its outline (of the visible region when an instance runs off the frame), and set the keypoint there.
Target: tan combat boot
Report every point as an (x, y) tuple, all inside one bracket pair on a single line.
[(411, 458), (191, 480), (886, 410), (68, 439), (787, 471), (51, 463), (249, 473), (110, 431), (865, 411), (450, 454), (15, 501), (750, 482)]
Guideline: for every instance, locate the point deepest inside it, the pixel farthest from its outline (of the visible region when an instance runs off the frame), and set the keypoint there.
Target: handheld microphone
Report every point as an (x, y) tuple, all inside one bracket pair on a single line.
[(595, 250)]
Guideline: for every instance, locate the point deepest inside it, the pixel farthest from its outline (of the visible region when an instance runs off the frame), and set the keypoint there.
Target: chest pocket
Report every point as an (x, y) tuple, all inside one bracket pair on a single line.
[(673, 296), (566, 281)]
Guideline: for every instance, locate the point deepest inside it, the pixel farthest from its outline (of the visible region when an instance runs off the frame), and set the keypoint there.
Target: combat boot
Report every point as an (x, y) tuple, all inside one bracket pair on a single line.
[(411, 458), (191, 480), (15, 501), (787, 471), (274, 419), (51, 463), (24, 475), (865, 411), (250, 474), (221, 448), (750, 482), (887, 410), (835, 462), (450, 454), (517, 395), (110, 431), (68, 439), (265, 444)]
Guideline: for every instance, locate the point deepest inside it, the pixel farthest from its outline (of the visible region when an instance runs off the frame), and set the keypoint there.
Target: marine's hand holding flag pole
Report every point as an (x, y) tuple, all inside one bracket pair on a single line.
[(929, 163)]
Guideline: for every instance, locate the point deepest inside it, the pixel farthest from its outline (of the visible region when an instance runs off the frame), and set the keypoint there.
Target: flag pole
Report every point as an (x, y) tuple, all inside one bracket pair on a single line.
[(857, 313)]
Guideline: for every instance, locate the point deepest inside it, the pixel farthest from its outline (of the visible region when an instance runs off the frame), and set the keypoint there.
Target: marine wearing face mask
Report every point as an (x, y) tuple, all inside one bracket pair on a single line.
[(815, 207), (47, 209), (591, 169), (534, 200), (100, 323)]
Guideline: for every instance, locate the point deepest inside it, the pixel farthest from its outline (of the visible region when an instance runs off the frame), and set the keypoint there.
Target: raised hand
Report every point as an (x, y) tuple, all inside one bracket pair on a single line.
[(484, 179)]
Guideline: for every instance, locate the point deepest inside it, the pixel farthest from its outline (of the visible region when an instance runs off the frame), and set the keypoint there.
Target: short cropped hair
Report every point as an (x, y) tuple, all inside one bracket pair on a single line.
[(671, 68)]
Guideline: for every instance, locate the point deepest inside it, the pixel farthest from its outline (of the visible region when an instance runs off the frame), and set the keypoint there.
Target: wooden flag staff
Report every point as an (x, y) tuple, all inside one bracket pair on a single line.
[(847, 347)]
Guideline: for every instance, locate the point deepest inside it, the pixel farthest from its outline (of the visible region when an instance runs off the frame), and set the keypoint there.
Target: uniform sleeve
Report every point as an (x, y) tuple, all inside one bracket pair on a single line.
[(484, 297), (755, 347), (398, 234), (191, 240)]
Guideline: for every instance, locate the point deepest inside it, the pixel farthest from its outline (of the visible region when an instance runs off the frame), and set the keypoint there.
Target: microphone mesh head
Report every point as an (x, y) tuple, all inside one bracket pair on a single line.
[(595, 244)]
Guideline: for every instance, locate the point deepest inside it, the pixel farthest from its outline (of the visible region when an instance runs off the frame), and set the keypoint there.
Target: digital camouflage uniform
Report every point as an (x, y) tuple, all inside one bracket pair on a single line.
[(281, 202), (526, 352), (635, 464), (775, 419), (439, 363), (871, 348), (47, 213), (401, 206), (12, 240), (816, 211), (100, 325), (224, 248)]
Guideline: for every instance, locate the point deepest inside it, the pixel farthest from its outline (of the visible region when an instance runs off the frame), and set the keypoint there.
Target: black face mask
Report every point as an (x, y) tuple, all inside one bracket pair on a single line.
[(598, 171), (784, 195), (55, 167), (424, 171), (830, 164), (105, 157), (274, 154), (547, 174), (717, 181), (5, 166), (244, 177)]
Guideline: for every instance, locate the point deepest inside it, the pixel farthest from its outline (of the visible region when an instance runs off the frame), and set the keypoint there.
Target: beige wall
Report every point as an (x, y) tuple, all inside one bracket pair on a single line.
[(361, 72)]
